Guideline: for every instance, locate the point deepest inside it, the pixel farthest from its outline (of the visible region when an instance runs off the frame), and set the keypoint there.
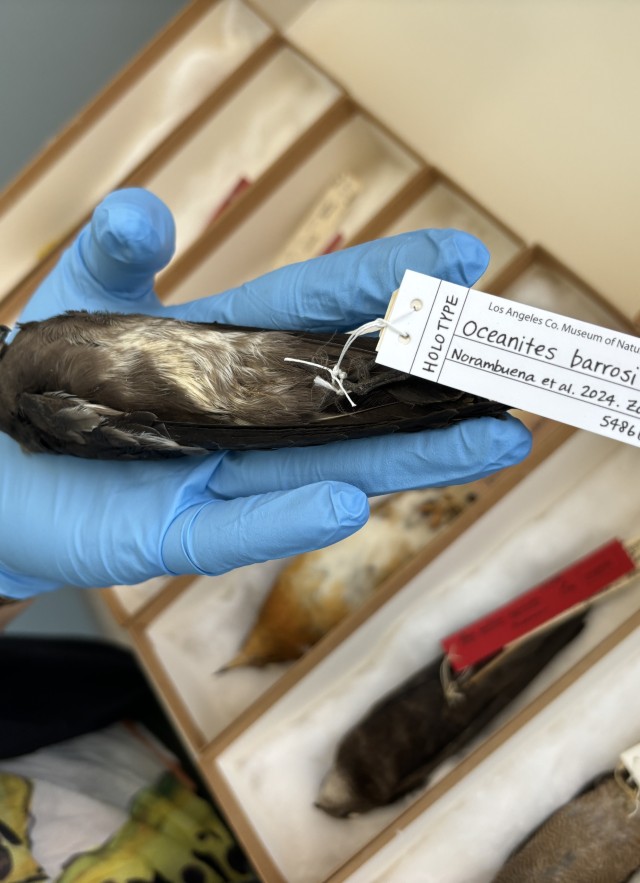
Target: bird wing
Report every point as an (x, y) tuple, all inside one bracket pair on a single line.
[(62, 423)]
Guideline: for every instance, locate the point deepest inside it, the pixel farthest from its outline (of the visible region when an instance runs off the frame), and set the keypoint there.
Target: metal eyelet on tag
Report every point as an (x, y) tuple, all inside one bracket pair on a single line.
[(416, 304), (404, 338)]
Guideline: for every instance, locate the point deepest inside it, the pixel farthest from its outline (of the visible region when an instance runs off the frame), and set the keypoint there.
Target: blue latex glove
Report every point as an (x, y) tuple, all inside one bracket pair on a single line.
[(88, 523)]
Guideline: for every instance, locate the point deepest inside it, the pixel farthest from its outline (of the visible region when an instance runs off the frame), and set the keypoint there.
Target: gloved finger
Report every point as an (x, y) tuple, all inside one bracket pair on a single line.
[(216, 536), (437, 458), (112, 263), (130, 238), (342, 290)]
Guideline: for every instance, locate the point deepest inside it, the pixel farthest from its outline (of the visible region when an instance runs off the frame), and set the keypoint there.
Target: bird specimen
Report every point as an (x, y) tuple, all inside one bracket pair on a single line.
[(113, 386), (396, 746), (316, 590), (595, 838)]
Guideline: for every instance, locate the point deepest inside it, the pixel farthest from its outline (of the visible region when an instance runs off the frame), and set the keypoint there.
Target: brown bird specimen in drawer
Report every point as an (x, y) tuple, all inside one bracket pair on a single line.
[(318, 589), (113, 386), (595, 838), (412, 730)]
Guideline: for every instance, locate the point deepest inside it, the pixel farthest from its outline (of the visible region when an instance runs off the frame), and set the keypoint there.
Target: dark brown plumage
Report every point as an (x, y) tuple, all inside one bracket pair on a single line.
[(413, 729), (107, 385)]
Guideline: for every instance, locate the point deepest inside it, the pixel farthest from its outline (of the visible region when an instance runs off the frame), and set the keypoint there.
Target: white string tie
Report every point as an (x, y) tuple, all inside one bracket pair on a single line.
[(337, 374)]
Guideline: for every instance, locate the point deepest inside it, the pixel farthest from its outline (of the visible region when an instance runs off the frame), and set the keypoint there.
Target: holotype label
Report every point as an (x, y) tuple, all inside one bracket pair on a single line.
[(562, 368), (577, 583)]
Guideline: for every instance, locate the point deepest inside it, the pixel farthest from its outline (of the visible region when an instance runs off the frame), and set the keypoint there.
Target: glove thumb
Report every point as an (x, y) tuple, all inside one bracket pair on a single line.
[(130, 238)]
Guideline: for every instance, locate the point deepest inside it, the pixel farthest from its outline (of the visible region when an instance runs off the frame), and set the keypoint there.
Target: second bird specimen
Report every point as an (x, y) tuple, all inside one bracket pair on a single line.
[(317, 590), (595, 838), (407, 734)]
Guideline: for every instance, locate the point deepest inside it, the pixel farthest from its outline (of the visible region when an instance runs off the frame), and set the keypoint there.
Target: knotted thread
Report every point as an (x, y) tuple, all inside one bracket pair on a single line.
[(338, 376)]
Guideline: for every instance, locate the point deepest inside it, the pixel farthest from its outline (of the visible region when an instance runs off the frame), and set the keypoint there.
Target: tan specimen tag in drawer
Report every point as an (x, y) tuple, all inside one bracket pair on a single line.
[(321, 226)]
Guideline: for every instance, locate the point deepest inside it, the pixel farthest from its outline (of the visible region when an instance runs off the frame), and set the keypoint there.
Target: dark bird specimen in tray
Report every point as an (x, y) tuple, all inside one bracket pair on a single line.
[(106, 385), (412, 730), (595, 838)]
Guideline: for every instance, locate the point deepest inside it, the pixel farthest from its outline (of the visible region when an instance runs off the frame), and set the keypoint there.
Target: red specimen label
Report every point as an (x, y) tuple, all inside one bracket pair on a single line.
[(583, 579)]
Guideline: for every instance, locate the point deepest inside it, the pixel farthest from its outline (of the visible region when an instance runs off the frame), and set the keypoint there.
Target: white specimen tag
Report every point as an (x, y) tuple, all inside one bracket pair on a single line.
[(631, 760), (565, 369)]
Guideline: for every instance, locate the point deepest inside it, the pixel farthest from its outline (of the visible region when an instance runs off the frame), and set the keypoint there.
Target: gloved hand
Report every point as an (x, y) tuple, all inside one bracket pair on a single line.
[(95, 523)]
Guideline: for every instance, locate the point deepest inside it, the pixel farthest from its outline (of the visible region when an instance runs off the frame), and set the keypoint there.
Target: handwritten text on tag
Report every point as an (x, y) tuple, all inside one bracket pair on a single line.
[(562, 368)]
